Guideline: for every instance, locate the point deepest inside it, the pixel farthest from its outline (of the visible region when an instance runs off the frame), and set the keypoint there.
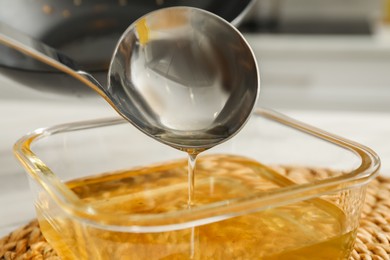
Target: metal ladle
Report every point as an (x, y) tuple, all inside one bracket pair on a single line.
[(182, 75)]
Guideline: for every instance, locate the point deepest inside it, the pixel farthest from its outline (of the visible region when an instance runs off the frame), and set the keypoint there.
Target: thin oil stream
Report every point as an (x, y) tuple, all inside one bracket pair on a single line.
[(191, 193), (191, 178)]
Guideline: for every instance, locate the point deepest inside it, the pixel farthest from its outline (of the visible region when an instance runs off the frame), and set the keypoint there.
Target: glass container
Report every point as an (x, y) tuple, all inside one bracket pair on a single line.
[(279, 189)]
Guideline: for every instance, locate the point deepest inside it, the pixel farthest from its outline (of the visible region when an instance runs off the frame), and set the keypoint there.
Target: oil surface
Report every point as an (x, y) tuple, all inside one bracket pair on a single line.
[(312, 229)]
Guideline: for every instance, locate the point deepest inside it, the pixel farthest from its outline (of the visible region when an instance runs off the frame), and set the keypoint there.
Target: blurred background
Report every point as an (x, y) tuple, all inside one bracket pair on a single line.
[(324, 62), (313, 54), (328, 55)]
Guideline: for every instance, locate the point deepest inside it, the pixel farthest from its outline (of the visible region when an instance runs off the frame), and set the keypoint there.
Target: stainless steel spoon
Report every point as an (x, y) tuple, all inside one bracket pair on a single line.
[(182, 75)]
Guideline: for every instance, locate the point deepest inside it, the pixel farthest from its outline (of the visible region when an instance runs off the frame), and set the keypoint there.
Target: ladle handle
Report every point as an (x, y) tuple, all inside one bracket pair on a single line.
[(48, 55)]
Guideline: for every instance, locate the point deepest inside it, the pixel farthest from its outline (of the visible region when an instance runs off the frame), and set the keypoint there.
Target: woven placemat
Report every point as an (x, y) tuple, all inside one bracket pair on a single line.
[(373, 238)]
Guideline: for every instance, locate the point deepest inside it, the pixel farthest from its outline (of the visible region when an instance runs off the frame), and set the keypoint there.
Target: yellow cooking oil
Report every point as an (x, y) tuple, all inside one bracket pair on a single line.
[(311, 229)]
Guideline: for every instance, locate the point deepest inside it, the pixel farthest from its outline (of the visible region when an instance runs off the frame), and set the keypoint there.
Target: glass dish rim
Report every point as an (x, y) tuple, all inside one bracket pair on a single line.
[(68, 201)]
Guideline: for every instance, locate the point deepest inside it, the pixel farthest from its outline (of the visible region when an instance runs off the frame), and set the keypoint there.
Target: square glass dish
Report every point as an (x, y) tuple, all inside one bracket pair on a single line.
[(279, 189)]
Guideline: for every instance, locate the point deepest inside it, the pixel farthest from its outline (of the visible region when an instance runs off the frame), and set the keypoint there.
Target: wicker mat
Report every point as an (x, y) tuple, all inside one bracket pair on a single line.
[(373, 238)]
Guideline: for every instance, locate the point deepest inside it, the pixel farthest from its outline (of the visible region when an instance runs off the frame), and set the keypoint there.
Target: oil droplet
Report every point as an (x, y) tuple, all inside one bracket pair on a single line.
[(143, 31)]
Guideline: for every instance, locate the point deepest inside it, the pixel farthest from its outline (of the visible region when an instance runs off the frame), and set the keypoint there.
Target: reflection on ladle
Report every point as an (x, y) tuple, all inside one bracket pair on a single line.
[(181, 75)]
